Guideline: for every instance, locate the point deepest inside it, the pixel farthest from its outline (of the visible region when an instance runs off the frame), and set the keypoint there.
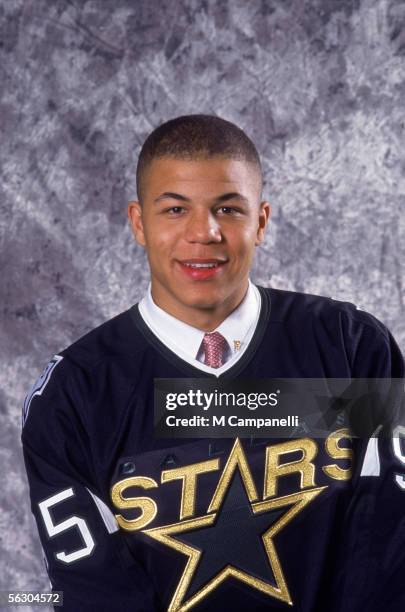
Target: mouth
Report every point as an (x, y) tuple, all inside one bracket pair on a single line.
[(201, 269)]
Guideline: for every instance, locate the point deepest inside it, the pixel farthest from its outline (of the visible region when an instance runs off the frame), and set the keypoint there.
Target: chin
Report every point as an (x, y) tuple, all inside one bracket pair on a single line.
[(205, 302)]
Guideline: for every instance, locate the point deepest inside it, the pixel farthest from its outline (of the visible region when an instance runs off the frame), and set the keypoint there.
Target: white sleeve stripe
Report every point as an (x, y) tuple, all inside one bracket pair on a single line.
[(106, 514), (371, 463)]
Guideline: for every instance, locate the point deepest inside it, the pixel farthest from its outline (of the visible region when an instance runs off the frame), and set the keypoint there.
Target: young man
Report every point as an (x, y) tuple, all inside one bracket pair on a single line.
[(129, 521)]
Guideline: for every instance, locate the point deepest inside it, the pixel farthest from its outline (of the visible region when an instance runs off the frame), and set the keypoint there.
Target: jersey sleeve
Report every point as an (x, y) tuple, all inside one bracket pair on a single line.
[(85, 552), (373, 560)]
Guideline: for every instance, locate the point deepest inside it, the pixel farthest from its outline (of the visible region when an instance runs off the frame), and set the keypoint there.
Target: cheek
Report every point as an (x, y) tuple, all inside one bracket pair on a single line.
[(243, 241), (159, 241)]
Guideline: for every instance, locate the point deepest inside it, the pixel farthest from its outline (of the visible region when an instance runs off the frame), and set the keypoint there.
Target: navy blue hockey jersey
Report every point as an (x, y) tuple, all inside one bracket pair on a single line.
[(132, 522)]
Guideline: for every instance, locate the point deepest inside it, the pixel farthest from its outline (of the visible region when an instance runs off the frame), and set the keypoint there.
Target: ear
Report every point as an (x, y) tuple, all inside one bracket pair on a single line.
[(135, 219), (264, 215)]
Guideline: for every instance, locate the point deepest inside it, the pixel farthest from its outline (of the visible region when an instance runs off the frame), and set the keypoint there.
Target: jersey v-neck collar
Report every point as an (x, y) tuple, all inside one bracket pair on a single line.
[(186, 341), (196, 372)]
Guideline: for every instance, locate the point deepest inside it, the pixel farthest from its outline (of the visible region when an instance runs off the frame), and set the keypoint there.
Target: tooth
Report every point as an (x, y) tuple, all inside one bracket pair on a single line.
[(202, 265)]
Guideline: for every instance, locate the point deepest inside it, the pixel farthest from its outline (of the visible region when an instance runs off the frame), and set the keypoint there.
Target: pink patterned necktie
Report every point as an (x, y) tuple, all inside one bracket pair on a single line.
[(214, 346)]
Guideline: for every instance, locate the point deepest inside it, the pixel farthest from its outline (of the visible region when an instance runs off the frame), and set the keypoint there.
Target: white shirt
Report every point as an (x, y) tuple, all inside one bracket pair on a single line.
[(185, 340)]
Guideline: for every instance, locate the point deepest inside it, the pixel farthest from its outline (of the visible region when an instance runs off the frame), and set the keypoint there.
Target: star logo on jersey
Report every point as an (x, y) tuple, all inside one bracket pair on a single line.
[(235, 539)]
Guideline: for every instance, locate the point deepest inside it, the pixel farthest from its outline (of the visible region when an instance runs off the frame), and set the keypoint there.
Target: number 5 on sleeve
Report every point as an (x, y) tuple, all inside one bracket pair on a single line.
[(53, 529)]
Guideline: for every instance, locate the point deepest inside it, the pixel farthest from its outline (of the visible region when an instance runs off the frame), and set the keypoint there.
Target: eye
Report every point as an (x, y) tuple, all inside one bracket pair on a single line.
[(174, 210), (228, 210)]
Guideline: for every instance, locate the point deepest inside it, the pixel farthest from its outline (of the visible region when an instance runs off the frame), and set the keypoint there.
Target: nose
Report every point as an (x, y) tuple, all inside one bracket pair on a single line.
[(202, 227)]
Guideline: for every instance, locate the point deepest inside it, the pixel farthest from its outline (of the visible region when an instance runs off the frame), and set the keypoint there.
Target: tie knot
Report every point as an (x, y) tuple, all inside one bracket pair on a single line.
[(214, 345)]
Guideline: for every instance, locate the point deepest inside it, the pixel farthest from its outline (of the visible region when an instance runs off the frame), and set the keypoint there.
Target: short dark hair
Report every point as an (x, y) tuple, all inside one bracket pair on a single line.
[(196, 137)]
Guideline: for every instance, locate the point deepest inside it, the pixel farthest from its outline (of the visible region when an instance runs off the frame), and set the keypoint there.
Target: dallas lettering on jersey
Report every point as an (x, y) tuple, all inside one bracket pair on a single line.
[(237, 519)]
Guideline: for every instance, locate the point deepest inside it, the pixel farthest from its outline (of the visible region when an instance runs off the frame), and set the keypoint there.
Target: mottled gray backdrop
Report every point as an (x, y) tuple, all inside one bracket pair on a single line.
[(319, 85)]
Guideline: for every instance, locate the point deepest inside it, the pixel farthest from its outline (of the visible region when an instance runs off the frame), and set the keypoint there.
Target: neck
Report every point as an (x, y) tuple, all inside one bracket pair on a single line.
[(205, 318)]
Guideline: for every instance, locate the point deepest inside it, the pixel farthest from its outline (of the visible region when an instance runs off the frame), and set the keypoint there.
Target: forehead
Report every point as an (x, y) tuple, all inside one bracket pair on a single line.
[(196, 175)]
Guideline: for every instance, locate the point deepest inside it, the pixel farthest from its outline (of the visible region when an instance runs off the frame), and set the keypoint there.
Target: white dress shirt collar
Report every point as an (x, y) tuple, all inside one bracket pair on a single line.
[(185, 340)]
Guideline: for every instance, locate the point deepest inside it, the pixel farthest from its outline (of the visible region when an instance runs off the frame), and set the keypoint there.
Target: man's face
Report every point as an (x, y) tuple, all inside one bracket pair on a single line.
[(199, 222)]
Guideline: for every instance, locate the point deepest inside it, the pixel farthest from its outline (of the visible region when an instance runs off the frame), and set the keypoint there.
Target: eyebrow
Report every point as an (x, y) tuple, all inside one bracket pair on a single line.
[(233, 195)]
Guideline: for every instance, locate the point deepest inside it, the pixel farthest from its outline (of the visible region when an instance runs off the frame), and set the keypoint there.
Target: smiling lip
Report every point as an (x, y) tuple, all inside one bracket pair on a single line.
[(201, 269)]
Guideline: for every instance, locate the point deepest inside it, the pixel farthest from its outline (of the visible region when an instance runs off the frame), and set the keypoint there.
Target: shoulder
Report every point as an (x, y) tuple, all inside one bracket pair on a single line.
[(369, 346), (107, 355), (115, 339), (296, 305)]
